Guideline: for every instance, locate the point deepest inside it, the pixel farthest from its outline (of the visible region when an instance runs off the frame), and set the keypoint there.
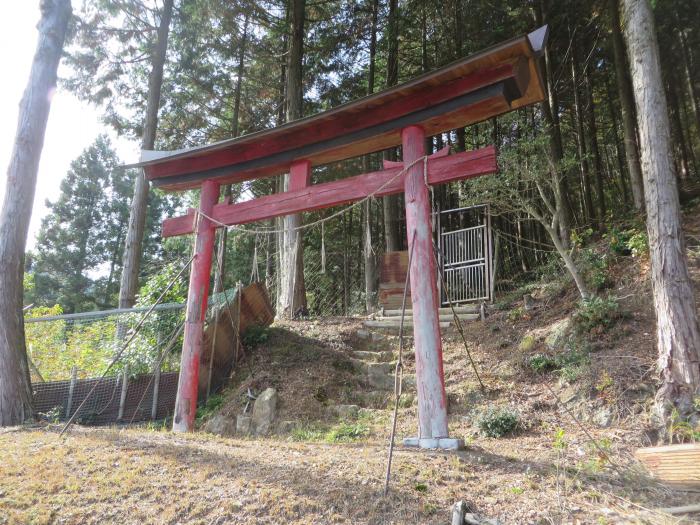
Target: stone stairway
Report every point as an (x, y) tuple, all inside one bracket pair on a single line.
[(391, 319), (377, 365)]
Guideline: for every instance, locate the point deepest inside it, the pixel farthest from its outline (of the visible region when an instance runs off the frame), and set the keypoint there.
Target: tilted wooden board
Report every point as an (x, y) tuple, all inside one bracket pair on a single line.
[(677, 465)]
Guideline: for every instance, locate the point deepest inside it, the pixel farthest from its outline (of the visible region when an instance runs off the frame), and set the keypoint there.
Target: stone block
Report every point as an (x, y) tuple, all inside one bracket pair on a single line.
[(264, 412), (243, 424)]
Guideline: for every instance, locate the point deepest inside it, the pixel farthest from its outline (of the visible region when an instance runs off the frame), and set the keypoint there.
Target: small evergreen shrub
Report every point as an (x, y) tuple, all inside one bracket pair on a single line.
[(255, 336), (638, 244), (596, 313), (594, 267), (632, 242), (542, 363), (497, 422)]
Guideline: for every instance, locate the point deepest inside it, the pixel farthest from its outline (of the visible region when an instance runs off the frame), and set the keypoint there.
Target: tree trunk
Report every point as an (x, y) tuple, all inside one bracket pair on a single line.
[(589, 211), (223, 232), (15, 384), (629, 127), (550, 106), (137, 218), (677, 127), (593, 135), (619, 156), (687, 72), (678, 334), (390, 203), (368, 253), (568, 260), (291, 296)]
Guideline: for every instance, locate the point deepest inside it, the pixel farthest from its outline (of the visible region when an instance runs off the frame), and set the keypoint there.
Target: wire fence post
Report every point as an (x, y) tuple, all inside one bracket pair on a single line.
[(125, 387), (156, 386), (71, 390)]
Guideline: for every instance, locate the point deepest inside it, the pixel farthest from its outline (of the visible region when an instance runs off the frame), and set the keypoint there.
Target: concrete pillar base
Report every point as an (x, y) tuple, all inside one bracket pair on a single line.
[(434, 443)]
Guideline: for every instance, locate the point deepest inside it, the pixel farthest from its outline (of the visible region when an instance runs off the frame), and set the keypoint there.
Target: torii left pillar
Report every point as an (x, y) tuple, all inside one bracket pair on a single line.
[(430, 380), (197, 296)]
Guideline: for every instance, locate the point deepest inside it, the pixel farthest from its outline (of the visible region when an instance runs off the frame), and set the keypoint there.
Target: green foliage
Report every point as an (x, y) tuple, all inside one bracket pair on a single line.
[(55, 347), (255, 336), (632, 241), (212, 404), (681, 430), (496, 422), (83, 230), (343, 432), (581, 237), (638, 244), (308, 432), (516, 314), (347, 432), (420, 487), (559, 442), (542, 363), (594, 267), (596, 313), (572, 364)]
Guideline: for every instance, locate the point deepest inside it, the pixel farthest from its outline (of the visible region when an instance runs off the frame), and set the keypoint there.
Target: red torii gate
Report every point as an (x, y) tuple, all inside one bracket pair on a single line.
[(492, 82)]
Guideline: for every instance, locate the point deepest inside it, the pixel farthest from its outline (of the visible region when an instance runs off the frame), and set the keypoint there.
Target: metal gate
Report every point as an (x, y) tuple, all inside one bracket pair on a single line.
[(464, 238)]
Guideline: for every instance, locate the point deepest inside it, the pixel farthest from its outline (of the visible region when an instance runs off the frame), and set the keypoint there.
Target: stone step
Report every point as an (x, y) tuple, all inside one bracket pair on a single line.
[(396, 323), (444, 318), (373, 368), (464, 309), (384, 381), (367, 355)]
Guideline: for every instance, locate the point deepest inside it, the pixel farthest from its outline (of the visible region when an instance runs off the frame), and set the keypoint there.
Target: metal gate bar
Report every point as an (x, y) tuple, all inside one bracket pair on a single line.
[(466, 260)]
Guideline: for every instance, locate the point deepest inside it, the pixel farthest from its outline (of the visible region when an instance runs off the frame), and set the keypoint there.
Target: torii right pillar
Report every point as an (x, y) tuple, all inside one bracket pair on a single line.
[(430, 379)]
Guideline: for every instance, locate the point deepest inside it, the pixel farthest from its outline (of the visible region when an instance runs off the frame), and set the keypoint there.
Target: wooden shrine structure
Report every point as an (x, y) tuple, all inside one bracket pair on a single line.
[(495, 81)]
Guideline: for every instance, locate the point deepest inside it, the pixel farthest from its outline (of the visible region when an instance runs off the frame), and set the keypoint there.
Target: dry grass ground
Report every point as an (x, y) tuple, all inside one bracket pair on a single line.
[(548, 471), (139, 476)]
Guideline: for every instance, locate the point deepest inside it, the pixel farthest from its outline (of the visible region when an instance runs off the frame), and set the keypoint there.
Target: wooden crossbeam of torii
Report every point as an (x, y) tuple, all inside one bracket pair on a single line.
[(473, 89), (441, 169)]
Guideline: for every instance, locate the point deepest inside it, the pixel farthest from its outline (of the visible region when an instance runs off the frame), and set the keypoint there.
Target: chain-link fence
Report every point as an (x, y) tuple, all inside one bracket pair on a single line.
[(69, 353)]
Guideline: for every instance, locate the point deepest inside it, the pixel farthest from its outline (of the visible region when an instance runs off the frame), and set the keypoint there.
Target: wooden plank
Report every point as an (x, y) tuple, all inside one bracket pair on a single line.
[(677, 465), (440, 170)]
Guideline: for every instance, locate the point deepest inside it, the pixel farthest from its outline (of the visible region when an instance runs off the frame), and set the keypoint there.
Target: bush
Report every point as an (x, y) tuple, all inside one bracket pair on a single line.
[(638, 244), (497, 422), (542, 363), (596, 313), (632, 242), (569, 365), (212, 404), (594, 267), (255, 336), (346, 432)]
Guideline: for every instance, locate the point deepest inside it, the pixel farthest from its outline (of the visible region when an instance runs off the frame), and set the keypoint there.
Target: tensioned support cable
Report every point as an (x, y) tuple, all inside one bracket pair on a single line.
[(398, 372)]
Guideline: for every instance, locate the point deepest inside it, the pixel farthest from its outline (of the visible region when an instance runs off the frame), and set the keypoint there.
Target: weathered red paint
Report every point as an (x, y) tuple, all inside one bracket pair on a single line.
[(388, 164), (440, 170), (389, 105), (432, 406), (299, 175), (197, 296)]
